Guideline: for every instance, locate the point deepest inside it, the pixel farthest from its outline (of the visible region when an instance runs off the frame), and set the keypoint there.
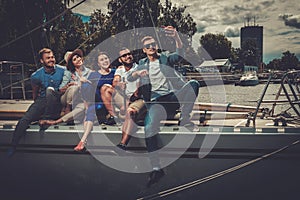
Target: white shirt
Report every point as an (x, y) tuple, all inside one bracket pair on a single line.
[(131, 87)]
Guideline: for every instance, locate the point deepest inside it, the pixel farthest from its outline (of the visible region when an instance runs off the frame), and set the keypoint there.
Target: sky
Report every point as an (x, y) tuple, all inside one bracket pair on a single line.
[(280, 20)]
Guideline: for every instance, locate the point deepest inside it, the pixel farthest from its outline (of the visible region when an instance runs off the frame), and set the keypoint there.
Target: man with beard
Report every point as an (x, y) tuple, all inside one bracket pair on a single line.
[(126, 96), (45, 92)]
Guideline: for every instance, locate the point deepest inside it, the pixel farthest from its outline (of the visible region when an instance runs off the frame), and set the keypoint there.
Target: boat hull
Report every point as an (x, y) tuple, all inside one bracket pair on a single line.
[(249, 82), (46, 167)]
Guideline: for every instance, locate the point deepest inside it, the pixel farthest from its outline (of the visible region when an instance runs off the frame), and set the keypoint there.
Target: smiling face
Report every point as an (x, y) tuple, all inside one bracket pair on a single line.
[(150, 47), (126, 57), (77, 61), (103, 61), (48, 59)]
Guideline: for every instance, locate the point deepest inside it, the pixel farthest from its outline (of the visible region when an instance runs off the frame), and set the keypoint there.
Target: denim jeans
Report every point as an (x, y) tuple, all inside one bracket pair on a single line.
[(43, 107), (166, 106)]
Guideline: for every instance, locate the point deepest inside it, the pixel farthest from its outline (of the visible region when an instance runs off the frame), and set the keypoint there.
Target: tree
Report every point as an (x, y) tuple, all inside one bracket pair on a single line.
[(64, 33), (98, 28), (128, 16), (274, 64), (27, 32), (286, 62), (51, 25), (216, 45), (176, 17), (151, 13), (289, 61)]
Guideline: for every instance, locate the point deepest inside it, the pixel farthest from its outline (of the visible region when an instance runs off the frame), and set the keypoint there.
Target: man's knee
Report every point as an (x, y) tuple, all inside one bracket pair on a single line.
[(50, 92), (52, 95), (195, 85)]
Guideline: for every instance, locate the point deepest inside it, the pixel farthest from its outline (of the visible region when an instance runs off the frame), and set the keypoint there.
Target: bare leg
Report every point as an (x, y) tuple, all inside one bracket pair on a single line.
[(87, 126), (129, 126), (106, 92)]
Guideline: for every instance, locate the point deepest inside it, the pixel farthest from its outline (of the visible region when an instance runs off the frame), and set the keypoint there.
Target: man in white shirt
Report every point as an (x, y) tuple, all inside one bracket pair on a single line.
[(126, 96)]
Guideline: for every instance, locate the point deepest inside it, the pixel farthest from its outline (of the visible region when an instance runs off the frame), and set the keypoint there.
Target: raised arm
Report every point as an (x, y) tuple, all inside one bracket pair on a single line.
[(172, 32)]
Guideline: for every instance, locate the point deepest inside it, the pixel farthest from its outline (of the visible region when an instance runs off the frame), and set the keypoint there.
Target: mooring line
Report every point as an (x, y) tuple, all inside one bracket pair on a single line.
[(214, 176)]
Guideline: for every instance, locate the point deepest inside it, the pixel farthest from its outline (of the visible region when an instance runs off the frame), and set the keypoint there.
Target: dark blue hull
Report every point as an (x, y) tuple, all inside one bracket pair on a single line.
[(46, 167)]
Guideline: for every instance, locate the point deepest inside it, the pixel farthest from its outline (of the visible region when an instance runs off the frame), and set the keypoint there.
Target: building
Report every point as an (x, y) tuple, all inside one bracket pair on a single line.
[(217, 65), (248, 68), (253, 33)]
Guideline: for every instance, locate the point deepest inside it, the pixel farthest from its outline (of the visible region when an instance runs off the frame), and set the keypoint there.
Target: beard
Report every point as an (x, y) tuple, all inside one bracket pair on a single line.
[(128, 64)]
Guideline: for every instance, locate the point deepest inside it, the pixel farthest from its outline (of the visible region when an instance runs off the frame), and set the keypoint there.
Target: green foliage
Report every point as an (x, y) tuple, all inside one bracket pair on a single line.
[(51, 25), (176, 17), (147, 13), (134, 14), (216, 45), (98, 29), (25, 33), (286, 62)]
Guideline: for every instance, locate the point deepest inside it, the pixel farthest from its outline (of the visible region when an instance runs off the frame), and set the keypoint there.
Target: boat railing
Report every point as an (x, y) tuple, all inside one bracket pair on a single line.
[(12, 77), (290, 89)]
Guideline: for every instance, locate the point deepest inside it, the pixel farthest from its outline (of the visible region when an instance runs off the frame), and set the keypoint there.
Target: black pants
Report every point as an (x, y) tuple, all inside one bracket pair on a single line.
[(42, 108)]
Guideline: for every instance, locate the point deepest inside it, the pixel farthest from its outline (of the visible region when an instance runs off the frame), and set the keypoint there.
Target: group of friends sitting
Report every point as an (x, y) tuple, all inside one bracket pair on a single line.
[(130, 92)]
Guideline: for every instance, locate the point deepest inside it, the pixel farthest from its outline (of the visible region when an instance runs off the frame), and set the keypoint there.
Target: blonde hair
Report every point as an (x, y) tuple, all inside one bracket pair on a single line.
[(148, 37)]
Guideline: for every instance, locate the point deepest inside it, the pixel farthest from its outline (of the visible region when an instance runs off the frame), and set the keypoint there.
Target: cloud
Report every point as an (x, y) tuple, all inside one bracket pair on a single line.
[(268, 3), (216, 16), (291, 20), (288, 32), (232, 31)]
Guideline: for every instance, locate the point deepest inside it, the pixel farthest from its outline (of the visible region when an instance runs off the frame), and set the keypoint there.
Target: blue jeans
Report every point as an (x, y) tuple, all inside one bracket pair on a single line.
[(166, 106)]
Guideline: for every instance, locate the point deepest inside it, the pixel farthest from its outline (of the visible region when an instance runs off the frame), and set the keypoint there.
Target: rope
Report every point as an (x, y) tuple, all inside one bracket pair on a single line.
[(158, 40), (214, 176)]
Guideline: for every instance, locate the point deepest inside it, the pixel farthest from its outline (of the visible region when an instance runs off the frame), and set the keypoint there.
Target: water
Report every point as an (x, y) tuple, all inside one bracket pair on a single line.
[(240, 95)]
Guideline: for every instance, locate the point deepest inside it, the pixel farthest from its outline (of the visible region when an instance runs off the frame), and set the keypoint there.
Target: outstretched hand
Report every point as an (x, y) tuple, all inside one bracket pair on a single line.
[(170, 31)]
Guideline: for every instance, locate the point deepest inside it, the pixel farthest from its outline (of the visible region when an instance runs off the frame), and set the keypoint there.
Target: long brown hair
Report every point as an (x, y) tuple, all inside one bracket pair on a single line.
[(70, 65)]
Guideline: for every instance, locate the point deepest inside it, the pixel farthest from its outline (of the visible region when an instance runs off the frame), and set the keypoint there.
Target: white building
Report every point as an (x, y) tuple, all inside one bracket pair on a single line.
[(217, 65)]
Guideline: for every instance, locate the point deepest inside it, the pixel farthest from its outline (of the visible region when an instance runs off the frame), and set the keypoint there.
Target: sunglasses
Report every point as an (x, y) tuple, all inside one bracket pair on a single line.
[(125, 55), (148, 46)]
